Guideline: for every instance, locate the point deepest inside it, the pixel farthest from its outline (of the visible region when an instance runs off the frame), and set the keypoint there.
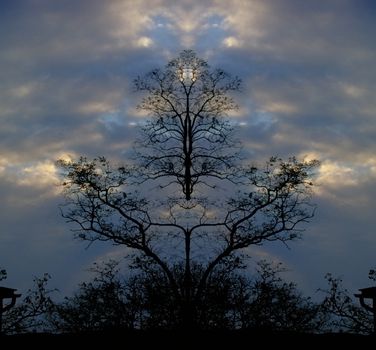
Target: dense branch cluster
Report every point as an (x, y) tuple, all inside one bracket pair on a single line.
[(188, 142)]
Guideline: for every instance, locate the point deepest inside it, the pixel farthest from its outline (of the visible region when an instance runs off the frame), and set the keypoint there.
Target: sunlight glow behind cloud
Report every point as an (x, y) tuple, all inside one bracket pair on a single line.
[(308, 72)]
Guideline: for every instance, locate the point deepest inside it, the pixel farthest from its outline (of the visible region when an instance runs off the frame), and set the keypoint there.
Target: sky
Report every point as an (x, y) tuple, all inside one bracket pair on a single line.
[(308, 71)]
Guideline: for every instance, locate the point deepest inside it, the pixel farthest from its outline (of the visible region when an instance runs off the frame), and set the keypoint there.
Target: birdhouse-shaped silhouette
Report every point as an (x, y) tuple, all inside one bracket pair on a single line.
[(368, 293), (7, 293)]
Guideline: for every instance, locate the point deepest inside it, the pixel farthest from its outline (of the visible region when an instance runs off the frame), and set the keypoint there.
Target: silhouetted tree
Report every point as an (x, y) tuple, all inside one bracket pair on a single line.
[(345, 313), (187, 140), (99, 305), (145, 301), (276, 305), (30, 313), (111, 302), (187, 144)]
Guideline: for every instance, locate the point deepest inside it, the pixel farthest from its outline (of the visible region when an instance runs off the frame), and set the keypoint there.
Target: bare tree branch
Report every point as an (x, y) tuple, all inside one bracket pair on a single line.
[(187, 103), (187, 143)]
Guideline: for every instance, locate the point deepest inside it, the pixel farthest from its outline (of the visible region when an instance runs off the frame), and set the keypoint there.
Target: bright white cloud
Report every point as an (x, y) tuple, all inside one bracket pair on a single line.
[(334, 174), (144, 41), (41, 174), (232, 42)]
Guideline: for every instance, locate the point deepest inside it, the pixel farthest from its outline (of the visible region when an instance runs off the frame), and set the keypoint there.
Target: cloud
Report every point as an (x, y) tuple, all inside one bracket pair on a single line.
[(294, 31), (231, 41), (66, 72)]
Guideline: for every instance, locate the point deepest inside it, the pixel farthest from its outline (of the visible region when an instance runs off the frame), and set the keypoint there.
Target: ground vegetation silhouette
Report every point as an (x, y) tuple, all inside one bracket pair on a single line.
[(232, 301)]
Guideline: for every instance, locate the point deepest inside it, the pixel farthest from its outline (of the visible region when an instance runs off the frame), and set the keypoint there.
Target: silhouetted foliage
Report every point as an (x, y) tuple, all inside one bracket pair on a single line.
[(231, 301), (3, 274), (346, 313), (372, 274), (29, 313), (276, 305), (175, 220), (99, 305)]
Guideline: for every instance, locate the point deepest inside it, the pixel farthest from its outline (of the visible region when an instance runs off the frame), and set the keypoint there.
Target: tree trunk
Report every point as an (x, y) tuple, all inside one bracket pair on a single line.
[(188, 309)]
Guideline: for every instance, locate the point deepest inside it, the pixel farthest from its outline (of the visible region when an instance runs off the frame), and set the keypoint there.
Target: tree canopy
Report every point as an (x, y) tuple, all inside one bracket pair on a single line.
[(190, 199)]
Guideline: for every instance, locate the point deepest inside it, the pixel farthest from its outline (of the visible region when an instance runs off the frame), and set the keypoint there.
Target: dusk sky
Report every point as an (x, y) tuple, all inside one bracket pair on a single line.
[(308, 71)]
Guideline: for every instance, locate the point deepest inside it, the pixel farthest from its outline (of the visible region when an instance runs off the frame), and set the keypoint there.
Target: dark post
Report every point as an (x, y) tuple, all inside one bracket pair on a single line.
[(374, 315), (1, 316)]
